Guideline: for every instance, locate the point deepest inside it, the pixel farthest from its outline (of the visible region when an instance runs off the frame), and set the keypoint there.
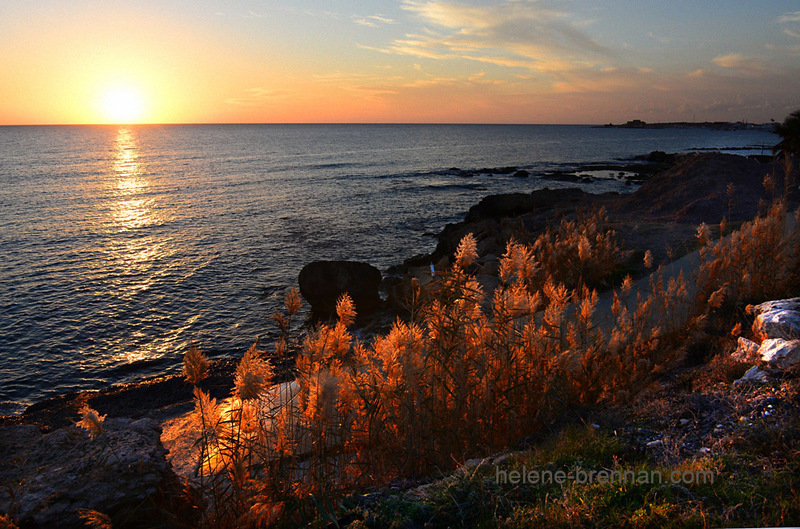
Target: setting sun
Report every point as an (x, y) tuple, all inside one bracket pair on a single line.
[(122, 105)]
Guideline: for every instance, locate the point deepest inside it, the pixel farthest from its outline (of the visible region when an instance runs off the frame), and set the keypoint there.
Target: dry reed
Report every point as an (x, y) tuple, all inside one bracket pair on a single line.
[(468, 374)]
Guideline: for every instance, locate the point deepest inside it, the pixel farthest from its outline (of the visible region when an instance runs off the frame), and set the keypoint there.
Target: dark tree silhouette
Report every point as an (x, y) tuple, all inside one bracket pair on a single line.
[(789, 131)]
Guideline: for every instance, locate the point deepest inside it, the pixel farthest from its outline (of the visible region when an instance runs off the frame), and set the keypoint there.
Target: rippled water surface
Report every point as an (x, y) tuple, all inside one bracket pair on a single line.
[(120, 245)]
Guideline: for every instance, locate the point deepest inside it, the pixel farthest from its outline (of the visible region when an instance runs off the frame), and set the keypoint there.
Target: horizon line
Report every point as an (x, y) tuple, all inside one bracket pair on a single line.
[(162, 124)]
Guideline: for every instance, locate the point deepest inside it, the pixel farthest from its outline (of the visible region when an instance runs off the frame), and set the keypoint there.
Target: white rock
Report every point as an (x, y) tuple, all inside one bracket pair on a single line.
[(754, 375), (747, 351), (779, 353), (778, 319)]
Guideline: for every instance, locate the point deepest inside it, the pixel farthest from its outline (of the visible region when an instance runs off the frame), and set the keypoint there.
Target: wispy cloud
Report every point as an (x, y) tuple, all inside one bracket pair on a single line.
[(373, 21), (514, 33), (742, 64), (789, 17)]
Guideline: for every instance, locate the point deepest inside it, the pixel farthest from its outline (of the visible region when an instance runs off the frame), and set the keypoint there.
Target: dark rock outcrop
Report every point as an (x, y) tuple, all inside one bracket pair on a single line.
[(515, 204), (48, 478), (322, 282)]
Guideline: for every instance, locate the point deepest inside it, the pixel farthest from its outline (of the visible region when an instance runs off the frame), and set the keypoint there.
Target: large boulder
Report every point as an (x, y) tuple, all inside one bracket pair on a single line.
[(322, 282), (779, 353)]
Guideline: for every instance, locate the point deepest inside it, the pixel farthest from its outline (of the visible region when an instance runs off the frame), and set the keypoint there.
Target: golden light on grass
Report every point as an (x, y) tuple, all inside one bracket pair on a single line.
[(91, 420)]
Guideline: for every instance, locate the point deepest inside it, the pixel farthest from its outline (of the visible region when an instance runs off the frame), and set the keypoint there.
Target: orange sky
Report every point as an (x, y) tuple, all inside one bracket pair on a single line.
[(513, 61)]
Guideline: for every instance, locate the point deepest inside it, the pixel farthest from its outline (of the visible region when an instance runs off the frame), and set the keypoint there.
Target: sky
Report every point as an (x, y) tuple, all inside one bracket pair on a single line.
[(407, 61)]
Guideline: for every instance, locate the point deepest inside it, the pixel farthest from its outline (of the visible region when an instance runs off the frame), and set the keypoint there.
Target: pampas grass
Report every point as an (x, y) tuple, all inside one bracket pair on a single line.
[(469, 373), (91, 421)]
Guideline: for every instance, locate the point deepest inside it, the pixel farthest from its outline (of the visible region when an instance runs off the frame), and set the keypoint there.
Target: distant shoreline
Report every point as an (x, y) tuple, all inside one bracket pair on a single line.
[(713, 125)]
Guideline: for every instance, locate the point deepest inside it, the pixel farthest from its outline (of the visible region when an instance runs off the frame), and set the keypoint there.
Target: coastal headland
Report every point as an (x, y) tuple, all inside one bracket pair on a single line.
[(713, 125)]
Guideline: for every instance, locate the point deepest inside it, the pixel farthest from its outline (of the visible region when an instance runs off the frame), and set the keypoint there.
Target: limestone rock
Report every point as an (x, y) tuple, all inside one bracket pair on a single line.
[(747, 351), (754, 375), (780, 354), (778, 319)]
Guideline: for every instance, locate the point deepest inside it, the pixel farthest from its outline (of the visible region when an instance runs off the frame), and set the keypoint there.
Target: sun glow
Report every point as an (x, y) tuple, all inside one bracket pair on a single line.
[(123, 105)]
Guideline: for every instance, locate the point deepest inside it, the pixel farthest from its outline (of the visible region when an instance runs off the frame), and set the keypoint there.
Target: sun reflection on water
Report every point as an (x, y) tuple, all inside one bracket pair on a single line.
[(126, 155), (136, 249)]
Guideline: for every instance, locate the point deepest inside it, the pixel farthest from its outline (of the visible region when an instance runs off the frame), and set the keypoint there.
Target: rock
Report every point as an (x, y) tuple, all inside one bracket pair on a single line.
[(777, 319), (489, 265), (515, 204), (452, 234), (779, 353), (489, 284), (754, 375), (656, 157), (48, 477), (322, 282), (747, 351), (417, 286), (522, 173), (500, 206)]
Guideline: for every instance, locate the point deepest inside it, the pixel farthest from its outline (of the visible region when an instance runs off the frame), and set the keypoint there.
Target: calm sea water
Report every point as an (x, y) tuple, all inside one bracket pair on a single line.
[(121, 245)]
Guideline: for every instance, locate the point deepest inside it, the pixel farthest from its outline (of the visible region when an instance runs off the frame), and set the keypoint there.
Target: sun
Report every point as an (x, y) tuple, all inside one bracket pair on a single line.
[(123, 105)]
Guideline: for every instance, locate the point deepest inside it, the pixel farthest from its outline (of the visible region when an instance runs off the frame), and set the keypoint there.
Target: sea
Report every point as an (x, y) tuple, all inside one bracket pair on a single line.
[(122, 245)]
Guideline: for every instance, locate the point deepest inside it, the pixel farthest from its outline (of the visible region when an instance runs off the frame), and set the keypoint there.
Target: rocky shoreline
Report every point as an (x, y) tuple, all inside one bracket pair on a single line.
[(661, 216), (678, 193)]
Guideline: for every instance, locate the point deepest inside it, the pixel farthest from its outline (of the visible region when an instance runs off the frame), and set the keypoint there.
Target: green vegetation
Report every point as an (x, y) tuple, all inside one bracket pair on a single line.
[(608, 487)]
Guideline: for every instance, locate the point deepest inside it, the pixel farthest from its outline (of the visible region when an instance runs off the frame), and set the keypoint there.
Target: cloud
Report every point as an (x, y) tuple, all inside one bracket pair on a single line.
[(750, 66), (514, 33), (789, 17), (373, 21)]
